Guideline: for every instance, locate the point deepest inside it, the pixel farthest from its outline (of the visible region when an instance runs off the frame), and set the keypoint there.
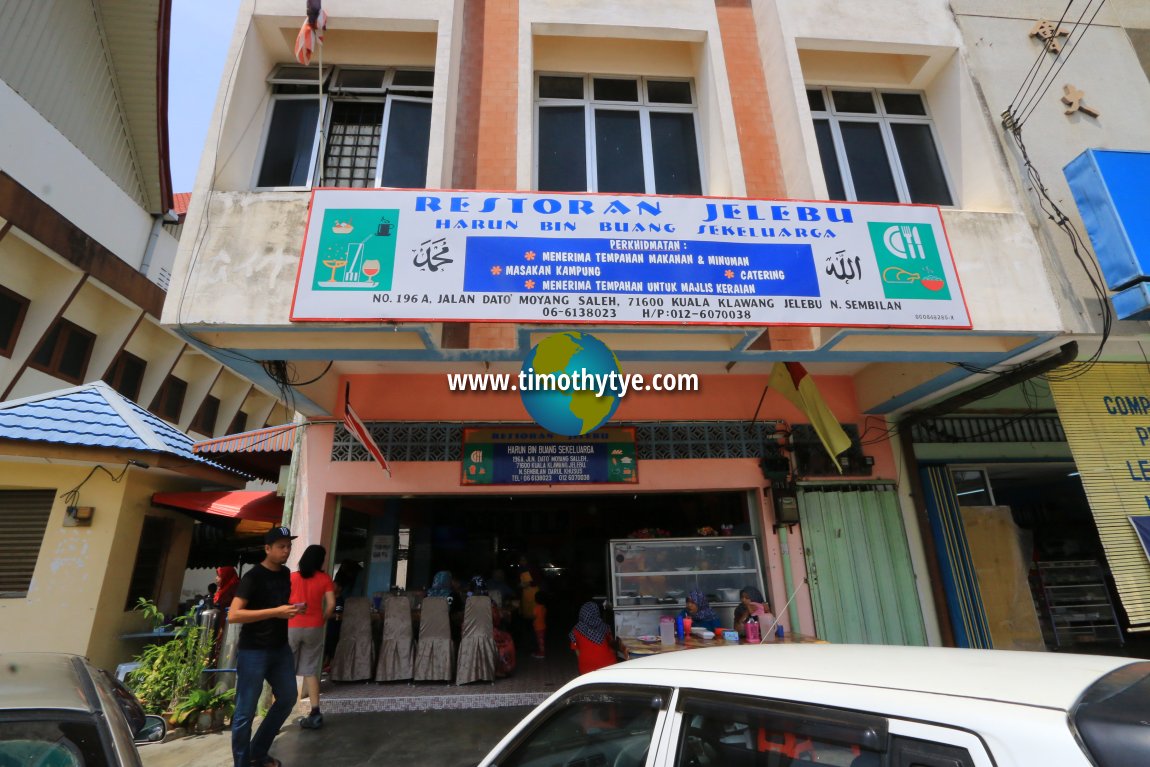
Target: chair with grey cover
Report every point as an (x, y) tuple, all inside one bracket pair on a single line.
[(396, 649), (477, 645), (354, 655), (435, 650)]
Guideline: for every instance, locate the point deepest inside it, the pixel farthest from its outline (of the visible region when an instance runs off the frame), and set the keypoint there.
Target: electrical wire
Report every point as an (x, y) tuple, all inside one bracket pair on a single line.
[(72, 497)]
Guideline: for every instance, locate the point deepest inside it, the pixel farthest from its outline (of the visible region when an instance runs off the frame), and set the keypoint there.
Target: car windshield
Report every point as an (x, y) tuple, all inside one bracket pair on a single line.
[(45, 742)]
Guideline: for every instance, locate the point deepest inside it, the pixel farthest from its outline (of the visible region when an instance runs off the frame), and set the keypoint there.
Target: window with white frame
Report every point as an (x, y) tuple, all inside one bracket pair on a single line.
[(616, 134), (878, 146), (377, 128)]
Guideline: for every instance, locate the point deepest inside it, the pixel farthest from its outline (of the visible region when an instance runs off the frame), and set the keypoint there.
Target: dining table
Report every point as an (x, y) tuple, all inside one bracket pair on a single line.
[(640, 647)]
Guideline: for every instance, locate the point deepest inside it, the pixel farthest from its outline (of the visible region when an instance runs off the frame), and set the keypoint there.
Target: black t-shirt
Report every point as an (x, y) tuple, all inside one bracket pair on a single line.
[(261, 588)]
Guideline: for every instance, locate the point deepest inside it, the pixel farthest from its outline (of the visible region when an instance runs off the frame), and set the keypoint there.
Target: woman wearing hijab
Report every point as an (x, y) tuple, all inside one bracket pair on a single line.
[(592, 640), (700, 612), (227, 581), (751, 603)]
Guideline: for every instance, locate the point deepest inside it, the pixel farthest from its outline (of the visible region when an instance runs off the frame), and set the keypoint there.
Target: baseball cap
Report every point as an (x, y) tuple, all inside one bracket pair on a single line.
[(278, 534)]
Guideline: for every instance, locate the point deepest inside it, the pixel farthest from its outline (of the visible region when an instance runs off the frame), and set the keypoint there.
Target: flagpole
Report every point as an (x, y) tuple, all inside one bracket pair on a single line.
[(319, 83)]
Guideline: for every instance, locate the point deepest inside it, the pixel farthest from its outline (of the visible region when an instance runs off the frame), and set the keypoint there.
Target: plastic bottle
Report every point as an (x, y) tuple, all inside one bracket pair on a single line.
[(752, 630), (679, 626), (779, 631)]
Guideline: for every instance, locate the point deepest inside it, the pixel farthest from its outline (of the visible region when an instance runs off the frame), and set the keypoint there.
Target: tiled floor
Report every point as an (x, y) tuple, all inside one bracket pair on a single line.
[(530, 685)]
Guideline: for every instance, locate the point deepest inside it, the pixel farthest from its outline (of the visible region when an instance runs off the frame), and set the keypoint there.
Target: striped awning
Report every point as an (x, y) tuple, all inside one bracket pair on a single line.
[(270, 439), (251, 505)]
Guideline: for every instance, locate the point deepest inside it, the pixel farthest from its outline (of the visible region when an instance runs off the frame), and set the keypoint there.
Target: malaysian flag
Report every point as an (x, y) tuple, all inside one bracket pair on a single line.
[(311, 32), (357, 427)]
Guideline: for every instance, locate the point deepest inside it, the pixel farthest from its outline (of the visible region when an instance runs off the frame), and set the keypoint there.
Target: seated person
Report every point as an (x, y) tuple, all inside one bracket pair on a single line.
[(700, 612), (751, 603), (591, 639)]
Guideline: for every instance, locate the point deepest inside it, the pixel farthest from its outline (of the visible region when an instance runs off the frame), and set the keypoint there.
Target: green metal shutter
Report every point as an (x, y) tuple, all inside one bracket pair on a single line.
[(859, 569), (23, 520)]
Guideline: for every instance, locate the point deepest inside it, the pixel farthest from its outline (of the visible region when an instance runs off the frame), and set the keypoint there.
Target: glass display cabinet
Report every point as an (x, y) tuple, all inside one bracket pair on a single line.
[(651, 577)]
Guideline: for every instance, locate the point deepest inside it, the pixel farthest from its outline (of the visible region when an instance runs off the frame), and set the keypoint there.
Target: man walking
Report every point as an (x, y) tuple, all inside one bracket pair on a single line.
[(262, 605)]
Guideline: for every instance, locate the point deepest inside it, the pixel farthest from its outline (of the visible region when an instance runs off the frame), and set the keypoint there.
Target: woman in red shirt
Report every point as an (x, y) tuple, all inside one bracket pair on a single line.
[(312, 588), (592, 641)]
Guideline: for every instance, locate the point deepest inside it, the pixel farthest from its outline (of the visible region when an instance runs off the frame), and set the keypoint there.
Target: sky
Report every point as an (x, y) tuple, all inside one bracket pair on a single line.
[(201, 32)]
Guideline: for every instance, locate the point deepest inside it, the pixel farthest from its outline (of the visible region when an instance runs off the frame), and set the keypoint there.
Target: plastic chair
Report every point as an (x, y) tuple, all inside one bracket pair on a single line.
[(396, 648), (477, 645), (354, 655), (433, 654)]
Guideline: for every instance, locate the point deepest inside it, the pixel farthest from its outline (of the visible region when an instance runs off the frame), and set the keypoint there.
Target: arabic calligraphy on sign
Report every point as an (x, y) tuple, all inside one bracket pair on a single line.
[(844, 268)]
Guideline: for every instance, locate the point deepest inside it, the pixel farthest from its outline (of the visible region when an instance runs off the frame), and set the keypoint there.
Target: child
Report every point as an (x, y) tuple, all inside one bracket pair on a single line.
[(540, 625)]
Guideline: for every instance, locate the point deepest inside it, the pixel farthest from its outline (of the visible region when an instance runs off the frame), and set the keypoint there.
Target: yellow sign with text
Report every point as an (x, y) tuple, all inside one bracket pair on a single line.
[(1106, 416)]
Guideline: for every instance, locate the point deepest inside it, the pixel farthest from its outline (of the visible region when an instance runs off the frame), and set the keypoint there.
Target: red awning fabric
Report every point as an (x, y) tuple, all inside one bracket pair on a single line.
[(271, 439), (251, 505)]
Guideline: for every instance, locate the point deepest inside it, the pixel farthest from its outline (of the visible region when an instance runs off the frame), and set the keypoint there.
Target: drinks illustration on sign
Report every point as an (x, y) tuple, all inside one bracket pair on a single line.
[(356, 250)]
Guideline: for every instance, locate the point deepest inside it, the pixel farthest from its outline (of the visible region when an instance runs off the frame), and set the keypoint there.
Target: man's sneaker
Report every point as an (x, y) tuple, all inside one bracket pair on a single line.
[(312, 721)]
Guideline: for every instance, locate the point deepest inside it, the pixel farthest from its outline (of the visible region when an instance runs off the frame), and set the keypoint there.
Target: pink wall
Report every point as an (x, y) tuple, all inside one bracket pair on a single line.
[(424, 397)]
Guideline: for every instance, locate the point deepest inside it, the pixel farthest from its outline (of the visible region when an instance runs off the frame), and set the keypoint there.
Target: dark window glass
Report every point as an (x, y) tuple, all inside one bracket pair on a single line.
[(353, 144), (287, 155), (854, 101), (12, 309), (205, 420), (618, 151), (149, 561), (127, 375), (903, 104), (830, 160), (51, 738), (411, 78), (920, 163), (408, 136), (170, 399), (816, 101), (42, 357), (64, 352), (609, 89), (551, 87), (74, 358), (239, 423), (676, 153), (668, 92), (869, 165), (591, 728), (360, 78), (737, 730), (562, 149)]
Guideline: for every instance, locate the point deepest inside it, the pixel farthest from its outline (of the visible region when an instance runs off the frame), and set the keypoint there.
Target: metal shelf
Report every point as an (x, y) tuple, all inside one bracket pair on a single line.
[(1072, 619)]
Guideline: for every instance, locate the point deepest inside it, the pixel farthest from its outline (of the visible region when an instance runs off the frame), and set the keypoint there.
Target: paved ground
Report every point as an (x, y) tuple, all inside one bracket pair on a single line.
[(451, 738)]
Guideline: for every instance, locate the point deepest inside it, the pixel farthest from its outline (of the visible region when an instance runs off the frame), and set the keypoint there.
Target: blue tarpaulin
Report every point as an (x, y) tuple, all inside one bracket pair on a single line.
[(1142, 527)]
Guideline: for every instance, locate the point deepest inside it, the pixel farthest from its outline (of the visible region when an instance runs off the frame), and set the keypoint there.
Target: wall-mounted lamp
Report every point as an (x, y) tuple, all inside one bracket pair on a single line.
[(140, 464)]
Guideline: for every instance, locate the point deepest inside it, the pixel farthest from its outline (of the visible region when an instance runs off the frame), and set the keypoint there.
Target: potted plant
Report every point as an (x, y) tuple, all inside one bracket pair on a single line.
[(204, 710)]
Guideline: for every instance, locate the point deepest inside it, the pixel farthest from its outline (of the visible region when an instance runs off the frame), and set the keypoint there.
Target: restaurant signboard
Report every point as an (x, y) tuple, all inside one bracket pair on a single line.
[(531, 455), (433, 255)]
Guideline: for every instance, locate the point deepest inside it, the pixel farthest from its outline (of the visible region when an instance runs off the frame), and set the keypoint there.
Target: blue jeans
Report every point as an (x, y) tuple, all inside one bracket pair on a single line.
[(252, 668)]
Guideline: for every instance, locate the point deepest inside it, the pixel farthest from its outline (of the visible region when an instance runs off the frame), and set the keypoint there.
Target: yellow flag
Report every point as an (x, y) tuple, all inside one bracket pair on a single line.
[(790, 379)]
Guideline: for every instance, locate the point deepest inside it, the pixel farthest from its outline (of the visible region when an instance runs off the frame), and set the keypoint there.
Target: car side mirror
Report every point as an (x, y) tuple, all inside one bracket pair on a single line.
[(153, 731)]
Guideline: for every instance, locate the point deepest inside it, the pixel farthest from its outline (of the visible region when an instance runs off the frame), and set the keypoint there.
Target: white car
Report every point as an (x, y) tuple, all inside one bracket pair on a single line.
[(845, 705)]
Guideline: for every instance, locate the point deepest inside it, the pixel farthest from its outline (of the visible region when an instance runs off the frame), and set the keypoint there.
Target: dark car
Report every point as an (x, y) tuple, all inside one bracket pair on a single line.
[(60, 711)]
